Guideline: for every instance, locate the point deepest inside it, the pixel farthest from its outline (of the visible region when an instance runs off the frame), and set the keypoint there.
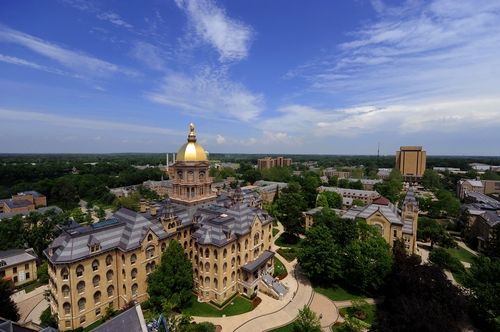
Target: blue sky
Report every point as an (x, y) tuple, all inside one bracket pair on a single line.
[(261, 76)]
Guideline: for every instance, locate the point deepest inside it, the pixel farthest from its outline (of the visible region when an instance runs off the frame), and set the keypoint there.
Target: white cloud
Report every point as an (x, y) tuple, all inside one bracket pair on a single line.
[(25, 63), (230, 37), (90, 7), (208, 94), (113, 18), (74, 60), (73, 122), (150, 55), (220, 139)]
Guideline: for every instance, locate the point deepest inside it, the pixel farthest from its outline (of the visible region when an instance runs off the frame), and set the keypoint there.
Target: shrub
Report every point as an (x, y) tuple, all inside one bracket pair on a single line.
[(444, 260)]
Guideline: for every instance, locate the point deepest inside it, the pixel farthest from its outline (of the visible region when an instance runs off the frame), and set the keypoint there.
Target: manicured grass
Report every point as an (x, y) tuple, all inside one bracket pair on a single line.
[(279, 269), (288, 254), (284, 240), (460, 276), (275, 231), (337, 293), (236, 306), (93, 325), (461, 254), (286, 328), (370, 313), (30, 286)]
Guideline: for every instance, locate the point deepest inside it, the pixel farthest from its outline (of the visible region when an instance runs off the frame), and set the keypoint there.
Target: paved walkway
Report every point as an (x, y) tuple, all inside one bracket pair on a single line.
[(325, 309), (461, 244), (31, 304)]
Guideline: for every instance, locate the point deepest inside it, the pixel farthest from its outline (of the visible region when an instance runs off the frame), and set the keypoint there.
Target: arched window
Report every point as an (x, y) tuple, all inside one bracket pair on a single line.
[(232, 276), (163, 246), (224, 282), (79, 270), (124, 289), (80, 287), (64, 273), (224, 253), (215, 267), (109, 260), (207, 253), (246, 258), (207, 267), (150, 237), (201, 280), (256, 239), (81, 304), (111, 290), (215, 253), (65, 290), (123, 258), (134, 273), (134, 289), (185, 244), (216, 283), (109, 275), (185, 233), (224, 267), (97, 297), (207, 282), (246, 244), (67, 308), (96, 280), (133, 258), (232, 248), (150, 251), (238, 259), (95, 265), (232, 262), (190, 254), (148, 268), (153, 265)]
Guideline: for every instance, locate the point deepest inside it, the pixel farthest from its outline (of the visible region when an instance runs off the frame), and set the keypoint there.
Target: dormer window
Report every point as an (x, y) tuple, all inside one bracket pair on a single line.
[(2, 262)]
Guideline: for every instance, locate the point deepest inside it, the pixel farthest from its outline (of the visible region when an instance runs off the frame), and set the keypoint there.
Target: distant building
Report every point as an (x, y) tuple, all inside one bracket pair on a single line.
[(160, 187), (454, 170), (330, 171), (391, 222), (124, 191), (268, 189), (384, 173), (348, 195), (268, 162), (486, 187), (368, 184), (18, 265), (23, 202), (480, 167), (481, 217), (411, 162)]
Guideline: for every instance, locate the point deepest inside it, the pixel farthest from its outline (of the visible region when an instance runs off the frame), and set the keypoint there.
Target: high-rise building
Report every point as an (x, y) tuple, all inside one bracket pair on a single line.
[(268, 162), (411, 162)]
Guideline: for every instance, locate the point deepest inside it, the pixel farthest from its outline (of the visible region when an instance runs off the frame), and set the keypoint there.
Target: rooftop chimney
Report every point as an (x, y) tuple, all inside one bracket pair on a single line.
[(143, 205)]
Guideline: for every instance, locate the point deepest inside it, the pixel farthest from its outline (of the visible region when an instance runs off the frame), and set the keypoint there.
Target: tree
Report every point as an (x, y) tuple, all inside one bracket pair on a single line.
[(47, 319), (445, 260), (358, 202), (43, 273), (319, 257), (483, 282), (289, 207), (8, 308), (306, 321), (430, 230), (172, 281), (309, 182), (419, 298), (333, 181), (356, 185), (329, 199), (101, 214), (430, 179), (391, 189)]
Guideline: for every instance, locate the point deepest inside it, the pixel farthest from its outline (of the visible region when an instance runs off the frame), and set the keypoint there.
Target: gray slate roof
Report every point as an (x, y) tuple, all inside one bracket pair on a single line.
[(7, 215), (255, 264), (17, 256), (131, 319)]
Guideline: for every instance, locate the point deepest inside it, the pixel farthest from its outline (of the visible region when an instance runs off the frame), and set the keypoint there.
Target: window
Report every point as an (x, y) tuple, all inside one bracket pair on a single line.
[(134, 289), (82, 319), (150, 237), (150, 251), (80, 287), (163, 247), (98, 311), (14, 269), (232, 249), (224, 254), (64, 273), (67, 323), (26, 266), (2, 274), (232, 262), (216, 283), (15, 279), (109, 260), (134, 273), (207, 253), (27, 275), (81, 304), (395, 233), (109, 275), (96, 280), (110, 290), (95, 265), (79, 270), (232, 277), (65, 290), (207, 267), (224, 282), (224, 267), (67, 308), (97, 297), (133, 258)]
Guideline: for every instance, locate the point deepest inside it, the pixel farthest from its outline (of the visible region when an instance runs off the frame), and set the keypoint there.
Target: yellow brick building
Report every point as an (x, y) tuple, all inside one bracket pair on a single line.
[(18, 265)]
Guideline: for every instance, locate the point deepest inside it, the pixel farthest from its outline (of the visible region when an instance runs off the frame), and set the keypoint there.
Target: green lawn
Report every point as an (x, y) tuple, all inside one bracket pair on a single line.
[(279, 269), (288, 254), (370, 313), (275, 231), (285, 241), (236, 306), (286, 328), (28, 287), (93, 325), (461, 254), (337, 293)]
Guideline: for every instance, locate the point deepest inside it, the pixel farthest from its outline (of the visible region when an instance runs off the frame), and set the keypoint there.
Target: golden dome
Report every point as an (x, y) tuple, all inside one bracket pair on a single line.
[(191, 151)]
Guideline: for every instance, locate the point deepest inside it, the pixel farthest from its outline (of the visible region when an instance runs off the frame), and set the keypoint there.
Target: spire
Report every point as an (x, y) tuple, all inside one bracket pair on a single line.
[(192, 133)]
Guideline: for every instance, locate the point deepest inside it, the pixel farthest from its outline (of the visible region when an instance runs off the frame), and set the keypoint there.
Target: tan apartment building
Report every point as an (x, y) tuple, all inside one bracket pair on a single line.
[(330, 172), (391, 222), (486, 187), (18, 265), (411, 162), (268, 162), (227, 238), (23, 203)]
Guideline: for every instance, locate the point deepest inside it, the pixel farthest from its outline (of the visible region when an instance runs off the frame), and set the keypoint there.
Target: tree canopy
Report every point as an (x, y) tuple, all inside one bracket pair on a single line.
[(329, 199), (172, 281), (391, 189), (289, 207), (306, 321), (8, 309)]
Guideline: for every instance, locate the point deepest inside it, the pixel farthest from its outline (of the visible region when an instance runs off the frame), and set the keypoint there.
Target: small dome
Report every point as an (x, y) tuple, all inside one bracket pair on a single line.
[(191, 151)]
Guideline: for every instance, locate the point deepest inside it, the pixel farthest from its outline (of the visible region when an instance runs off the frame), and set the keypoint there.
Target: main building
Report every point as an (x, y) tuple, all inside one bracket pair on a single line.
[(227, 238)]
